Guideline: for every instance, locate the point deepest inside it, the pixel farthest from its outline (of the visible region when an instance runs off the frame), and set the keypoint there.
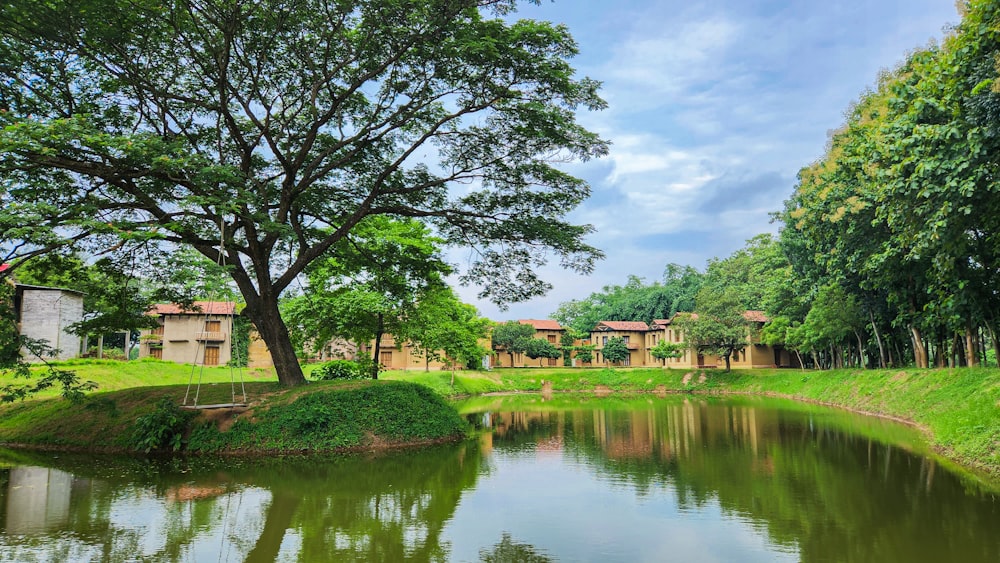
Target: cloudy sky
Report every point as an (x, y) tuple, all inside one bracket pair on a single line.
[(714, 107)]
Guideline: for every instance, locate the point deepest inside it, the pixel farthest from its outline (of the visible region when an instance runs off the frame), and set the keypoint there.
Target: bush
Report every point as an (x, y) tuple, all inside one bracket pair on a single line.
[(161, 429), (339, 370)]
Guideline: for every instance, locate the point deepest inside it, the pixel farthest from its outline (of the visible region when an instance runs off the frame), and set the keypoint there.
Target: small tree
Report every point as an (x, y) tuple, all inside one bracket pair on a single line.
[(615, 350), (512, 337), (664, 350), (720, 327), (585, 353), (566, 341), (536, 348)]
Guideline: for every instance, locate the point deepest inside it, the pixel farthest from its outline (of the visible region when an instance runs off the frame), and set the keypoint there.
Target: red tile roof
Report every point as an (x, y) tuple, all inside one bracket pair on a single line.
[(622, 325), (659, 323), (755, 316), (197, 308), (541, 324)]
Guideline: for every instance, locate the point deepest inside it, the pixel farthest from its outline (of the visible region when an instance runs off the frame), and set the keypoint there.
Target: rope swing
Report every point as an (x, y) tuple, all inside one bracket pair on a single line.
[(203, 345)]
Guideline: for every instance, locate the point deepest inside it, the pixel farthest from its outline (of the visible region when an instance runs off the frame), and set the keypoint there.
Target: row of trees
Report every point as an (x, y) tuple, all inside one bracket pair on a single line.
[(893, 233)]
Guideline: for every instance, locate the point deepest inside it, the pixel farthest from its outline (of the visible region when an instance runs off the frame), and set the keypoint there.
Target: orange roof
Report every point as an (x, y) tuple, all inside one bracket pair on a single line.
[(622, 325), (755, 316), (659, 323), (541, 324), (197, 308)]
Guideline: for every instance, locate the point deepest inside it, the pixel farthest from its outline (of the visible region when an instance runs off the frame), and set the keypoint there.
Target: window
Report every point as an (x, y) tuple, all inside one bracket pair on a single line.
[(158, 331), (385, 358), (156, 353), (625, 338), (604, 340), (213, 326), (552, 338)]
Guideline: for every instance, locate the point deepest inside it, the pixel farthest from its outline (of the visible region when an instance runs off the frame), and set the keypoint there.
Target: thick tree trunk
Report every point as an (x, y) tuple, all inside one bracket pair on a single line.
[(272, 329), (378, 345)]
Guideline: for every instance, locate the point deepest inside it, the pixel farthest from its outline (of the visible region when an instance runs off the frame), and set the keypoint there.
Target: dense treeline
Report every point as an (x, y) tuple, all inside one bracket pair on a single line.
[(889, 248), (899, 218)]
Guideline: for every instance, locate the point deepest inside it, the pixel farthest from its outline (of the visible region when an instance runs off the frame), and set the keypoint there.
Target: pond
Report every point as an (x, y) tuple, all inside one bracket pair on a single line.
[(565, 479)]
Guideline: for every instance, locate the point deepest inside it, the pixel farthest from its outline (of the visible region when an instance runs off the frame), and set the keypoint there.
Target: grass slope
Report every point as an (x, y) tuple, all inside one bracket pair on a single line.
[(325, 416), (958, 408)]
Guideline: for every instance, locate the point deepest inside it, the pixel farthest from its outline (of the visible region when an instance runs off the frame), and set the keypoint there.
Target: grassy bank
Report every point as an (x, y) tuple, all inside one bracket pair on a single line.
[(958, 409), (321, 417)]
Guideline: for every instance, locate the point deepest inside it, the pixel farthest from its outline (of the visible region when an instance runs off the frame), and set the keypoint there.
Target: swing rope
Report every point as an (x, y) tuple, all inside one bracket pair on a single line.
[(203, 346)]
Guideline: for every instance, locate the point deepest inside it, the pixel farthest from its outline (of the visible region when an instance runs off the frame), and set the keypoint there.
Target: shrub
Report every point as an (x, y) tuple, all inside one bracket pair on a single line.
[(161, 429), (339, 370)]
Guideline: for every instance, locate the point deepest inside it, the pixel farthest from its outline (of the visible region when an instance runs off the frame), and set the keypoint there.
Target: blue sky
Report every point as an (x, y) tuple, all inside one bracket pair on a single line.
[(714, 107)]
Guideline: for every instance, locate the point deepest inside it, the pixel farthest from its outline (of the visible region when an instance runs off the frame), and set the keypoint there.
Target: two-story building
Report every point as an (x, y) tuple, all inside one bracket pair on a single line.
[(632, 332), (545, 329), (754, 355), (201, 335)]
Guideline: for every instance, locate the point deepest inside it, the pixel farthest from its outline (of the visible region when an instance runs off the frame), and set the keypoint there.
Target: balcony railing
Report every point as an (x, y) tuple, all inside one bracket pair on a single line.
[(211, 336)]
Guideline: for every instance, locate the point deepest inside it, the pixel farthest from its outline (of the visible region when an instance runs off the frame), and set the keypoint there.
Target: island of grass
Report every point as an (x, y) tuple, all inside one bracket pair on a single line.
[(320, 417)]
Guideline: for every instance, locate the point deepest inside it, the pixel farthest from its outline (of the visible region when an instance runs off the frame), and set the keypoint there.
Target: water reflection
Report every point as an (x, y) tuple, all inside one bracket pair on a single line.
[(390, 508), (563, 480), (824, 485)]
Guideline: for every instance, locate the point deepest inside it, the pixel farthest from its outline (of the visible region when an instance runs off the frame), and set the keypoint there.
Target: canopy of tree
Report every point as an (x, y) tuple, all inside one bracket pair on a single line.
[(261, 134)]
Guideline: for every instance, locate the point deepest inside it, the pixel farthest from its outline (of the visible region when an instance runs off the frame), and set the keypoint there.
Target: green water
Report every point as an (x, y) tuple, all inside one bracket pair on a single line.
[(570, 479)]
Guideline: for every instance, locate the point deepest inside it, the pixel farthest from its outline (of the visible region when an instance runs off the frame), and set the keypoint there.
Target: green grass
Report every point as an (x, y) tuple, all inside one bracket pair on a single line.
[(959, 409), (324, 416), (113, 375)]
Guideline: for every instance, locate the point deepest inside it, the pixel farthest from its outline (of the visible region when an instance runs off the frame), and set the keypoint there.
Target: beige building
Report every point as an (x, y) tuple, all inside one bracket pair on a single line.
[(398, 354), (632, 332), (201, 335), (754, 354), (545, 329)]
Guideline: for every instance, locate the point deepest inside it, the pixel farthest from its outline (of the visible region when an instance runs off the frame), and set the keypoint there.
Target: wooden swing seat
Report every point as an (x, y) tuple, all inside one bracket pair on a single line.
[(215, 406)]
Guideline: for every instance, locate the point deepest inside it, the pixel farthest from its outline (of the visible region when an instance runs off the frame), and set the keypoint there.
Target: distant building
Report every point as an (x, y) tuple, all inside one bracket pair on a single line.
[(200, 335), (546, 329), (632, 332), (754, 354), (46, 313)]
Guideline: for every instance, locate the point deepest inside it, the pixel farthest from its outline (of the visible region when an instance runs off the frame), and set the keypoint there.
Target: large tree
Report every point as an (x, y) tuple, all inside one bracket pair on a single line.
[(261, 133)]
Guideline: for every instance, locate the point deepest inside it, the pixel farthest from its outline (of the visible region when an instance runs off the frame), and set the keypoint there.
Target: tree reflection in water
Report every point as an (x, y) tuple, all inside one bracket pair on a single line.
[(814, 484), (829, 485), (389, 508)]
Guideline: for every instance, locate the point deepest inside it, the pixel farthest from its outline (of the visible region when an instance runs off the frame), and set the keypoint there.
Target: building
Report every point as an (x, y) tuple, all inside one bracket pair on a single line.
[(45, 314), (545, 329), (200, 335), (398, 354), (754, 355), (632, 332)]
